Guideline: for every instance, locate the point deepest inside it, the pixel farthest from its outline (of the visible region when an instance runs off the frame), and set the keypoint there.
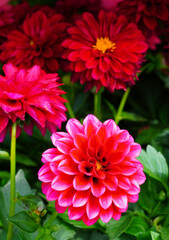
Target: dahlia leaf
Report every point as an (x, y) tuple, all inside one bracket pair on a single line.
[(4, 155), (137, 226), (116, 228), (155, 165), (155, 235), (23, 221)]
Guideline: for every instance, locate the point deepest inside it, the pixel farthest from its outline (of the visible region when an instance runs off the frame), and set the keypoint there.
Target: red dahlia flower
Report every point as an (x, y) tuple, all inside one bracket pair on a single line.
[(92, 171), (146, 15), (36, 43), (106, 52), (30, 97)]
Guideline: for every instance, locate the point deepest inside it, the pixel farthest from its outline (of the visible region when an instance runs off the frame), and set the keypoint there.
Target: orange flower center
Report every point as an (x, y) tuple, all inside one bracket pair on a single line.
[(98, 165), (31, 42), (104, 44)]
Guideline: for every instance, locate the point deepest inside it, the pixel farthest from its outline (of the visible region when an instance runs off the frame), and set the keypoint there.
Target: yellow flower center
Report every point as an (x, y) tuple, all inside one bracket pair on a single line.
[(31, 42), (103, 44), (98, 165)]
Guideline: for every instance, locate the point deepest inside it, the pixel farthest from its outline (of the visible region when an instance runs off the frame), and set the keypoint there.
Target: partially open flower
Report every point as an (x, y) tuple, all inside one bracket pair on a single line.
[(30, 97), (92, 170), (105, 52)]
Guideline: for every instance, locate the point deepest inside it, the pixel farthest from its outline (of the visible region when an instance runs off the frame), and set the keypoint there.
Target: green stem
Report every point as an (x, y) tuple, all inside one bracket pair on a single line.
[(97, 103), (51, 219), (69, 108), (121, 106), (12, 177)]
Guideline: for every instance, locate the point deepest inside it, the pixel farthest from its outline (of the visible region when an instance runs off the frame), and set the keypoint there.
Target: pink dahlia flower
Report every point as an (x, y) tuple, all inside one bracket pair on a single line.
[(30, 97), (92, 170), (146, 15), (37, 42), (105, 52)]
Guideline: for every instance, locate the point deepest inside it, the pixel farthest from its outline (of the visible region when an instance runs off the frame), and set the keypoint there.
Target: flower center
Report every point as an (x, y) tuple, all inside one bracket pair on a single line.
[(104, 44), (31, 42), (98, 165)]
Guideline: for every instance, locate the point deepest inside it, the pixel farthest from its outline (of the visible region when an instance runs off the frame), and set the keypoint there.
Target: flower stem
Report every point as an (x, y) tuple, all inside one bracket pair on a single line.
[(69, 108), (121, 106), (97, 103), (12, 177)]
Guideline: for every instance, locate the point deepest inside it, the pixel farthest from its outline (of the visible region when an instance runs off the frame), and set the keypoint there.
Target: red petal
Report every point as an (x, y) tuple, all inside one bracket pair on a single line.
[(73, 127), (82, 182), (81, 142), (106, 200), (65, 197), (106, 215), (120, 200), (80, 198), (45, 174), (76, 213), (124, 183), (92, 207), (3, 123), (110, 182), (62, 182), (64, 145), (77, 155), (51, 194), (58, 208), (97, 187), (68, 166)]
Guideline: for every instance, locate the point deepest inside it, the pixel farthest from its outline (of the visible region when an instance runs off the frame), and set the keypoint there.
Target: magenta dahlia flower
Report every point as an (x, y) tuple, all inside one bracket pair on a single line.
[(107, 52), (146, 15), (30, 97), (37, 42), (92, 170)]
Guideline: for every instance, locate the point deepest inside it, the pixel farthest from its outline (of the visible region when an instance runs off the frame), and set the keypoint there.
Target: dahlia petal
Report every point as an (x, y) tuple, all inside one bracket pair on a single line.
[(86, 168), (132, 198), (80, 198), (135, 150), (52, 195), (94, 141), (85, 54), (65, 197), (150, 22), (140, 177), (120, 200), (57, 135), (77, 155), (104, 67), (80, 141), (64, 145), (3, 122), (58, 208), (79, 66), (110, 182), (52, 64), (96, 73), (75, 213), (28, 128), (45, 187), (88, 221), (62, 182), (106, 215), (127, 168), (37, 115), (81, 182), (54, 167), (74, 56), (50, 154), (68, 167), (106, 200), (111, 127), (111, 144), (116, 215), (73, 127), (3, 134), (115, 157), (10, 105), (122, 136), (124, 183), (90, 128), (134, 189), (91, 63), (102, 133), (92, 207), (45, 174), (9, 70), (97, 187)]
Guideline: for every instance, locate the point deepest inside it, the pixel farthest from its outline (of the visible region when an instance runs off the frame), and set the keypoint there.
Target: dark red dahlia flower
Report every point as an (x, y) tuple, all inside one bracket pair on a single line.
[(37, 42), (106, 52), (146, 15), (92, 171), (30, 97)]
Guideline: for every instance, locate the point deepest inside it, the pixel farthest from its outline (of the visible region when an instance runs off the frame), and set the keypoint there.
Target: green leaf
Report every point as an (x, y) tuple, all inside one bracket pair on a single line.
[(132, 117), (4, 174), (4, 155), (155, 236), (22, 187), (23, 221), (155, 164), (165, 233), (137, 226), (116, 228)]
